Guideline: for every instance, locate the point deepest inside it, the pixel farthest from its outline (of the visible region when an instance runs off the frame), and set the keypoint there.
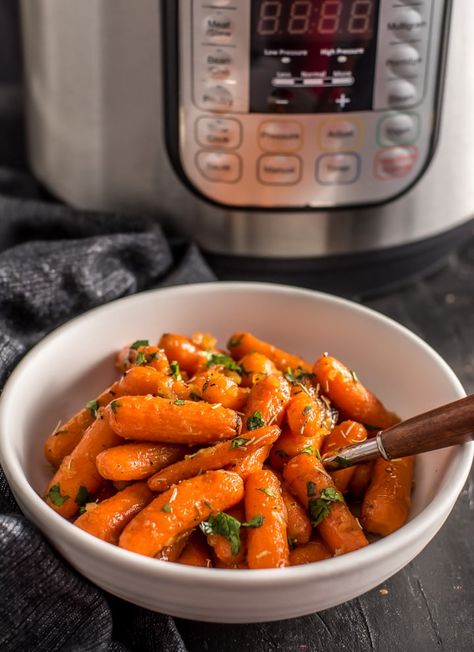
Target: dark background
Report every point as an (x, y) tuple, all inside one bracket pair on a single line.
[(428, 605)]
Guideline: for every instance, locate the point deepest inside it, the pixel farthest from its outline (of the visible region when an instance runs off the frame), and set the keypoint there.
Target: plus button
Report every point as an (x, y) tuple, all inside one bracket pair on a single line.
[(342, 100)]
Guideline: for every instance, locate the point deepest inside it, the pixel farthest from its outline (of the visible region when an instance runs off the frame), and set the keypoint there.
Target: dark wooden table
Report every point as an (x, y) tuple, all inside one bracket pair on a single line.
[(429, 605)]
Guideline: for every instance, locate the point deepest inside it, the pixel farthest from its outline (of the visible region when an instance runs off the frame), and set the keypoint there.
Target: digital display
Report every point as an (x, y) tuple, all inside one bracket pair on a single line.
[(311, 56)]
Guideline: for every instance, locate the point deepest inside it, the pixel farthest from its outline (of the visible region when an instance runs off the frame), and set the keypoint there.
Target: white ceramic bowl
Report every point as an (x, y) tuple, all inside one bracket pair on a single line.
[(70, 366)]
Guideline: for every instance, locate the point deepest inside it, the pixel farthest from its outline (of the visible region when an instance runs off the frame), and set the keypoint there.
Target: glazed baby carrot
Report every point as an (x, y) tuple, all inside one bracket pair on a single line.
[(255, 366), (240, 344), (179, 509), (361, 479), (344, 434), (250, 463), (107, 519), (309, 417), (214, 387), (388, 499), (77, 478), (213, 457), (196, 552), (288, 446), (147, 418), (137, 461), (314, 550), (307, 479), (180, 348), (266, 403), (141, 353), (299, 525), (267, 544), (348, 394)]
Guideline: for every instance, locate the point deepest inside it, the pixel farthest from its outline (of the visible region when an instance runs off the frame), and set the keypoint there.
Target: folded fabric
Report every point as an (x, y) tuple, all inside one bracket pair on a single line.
[(55, 263)]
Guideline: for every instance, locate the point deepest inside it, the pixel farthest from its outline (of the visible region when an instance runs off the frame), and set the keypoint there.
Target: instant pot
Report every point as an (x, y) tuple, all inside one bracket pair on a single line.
[(327, 139)]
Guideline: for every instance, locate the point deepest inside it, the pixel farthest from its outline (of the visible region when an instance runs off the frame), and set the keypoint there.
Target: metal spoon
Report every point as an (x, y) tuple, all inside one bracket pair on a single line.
[(445, 426)]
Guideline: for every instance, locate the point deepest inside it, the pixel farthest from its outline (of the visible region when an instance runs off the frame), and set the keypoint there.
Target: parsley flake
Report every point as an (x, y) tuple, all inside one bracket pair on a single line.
[(93, 407), (179, 401), (115, 405), (234, 341), (237, 442), (55, 496), (256, 521), (255, 421), (320, 508), (140, 359), (310, 489), (318, 455), (307, 450), (82, 496), (175, 370), (267, 490), (297, 375), (136, 345), (354, 376), (167, 508), (342, 461), (225, 525), (307, 410), (226, 361)]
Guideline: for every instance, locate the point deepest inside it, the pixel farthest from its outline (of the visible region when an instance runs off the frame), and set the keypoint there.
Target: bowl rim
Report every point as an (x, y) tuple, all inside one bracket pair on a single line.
[(408, 535)]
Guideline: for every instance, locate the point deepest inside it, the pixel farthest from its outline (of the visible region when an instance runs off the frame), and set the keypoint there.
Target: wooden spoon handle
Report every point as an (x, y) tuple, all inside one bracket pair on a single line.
[(447, 425)]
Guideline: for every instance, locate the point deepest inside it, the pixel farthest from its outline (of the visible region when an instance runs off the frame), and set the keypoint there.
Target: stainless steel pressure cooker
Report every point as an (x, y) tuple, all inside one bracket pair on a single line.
[(266, 129)]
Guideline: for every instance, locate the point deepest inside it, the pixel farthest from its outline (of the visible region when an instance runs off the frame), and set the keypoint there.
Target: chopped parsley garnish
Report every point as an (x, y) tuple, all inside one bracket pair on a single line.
[(225, 525), (55, 496), (318, 455), (115, 405), (307, 410), (208, 505), (224, 360), (310, 488), (343, 463), (93, 407), (255, 421), (354, 376), (297, 375), (320, 508), (140, 359), (175, 370), (267, 490), (307, 450), (234, 341), (167, 508), (194, 397), (82, 496), (179, 401), (139, 343), (238, 441), (256, 521)]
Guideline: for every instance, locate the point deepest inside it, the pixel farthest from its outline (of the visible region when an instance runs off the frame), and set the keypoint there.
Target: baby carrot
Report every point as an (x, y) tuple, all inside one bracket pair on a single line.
[(107, 519), (314, 550), (288, 446), (299, 525), (307, 479), (266, 403), (344, 434), (250, 463), (361, 479), (180, 509), (348, 394), (213, 457), (141, 353), (388, 499), (77, 477), (148, 418), (196, 552), (180, 348), (267, 543), (256, 366), (137, 461), (240, 344), (309, 417), (214, 387)]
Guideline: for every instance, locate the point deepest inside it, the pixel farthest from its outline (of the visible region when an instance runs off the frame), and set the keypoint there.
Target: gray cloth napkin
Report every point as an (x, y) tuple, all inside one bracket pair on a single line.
[(55, 263)]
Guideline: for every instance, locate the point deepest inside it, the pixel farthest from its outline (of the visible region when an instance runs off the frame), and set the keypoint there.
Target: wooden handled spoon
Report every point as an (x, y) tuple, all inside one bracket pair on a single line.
[(445, 426)]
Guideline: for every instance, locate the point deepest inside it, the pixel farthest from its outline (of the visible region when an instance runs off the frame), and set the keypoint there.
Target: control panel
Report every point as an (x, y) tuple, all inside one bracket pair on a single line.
[(307, 103)]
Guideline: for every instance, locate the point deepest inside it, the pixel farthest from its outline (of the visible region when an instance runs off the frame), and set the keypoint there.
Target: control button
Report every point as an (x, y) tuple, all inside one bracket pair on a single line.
[(279, 170), (337, 169), (342, 100), (218, 98), (280, 136), (401, 93), (404, 60), (399, 129), (406, 23), (218, 27), (225, 133), (220, 166), (340, 135), (395, 162)]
